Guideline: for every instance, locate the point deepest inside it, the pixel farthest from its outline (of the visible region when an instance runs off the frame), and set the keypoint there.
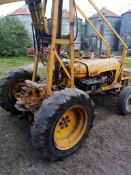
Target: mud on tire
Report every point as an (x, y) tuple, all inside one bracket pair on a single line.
[(7, 84), (48, 115)]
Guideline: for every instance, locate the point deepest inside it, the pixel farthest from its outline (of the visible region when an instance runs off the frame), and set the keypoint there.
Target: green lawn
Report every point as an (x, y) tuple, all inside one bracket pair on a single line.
[(7, 64), (128, 63), (42, 73)]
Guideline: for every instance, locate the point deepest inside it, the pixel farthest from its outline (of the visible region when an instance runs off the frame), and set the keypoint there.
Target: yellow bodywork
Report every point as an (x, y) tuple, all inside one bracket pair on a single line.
[(97, 66), (93, 67), (76, 69)]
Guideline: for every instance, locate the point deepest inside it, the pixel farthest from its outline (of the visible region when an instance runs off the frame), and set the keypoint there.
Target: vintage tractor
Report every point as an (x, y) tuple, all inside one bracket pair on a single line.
[(60, 107)]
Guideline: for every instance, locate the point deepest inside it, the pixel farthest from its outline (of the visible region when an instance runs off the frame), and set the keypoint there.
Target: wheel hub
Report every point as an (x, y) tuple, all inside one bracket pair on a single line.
[(13, 90), (70, 128)]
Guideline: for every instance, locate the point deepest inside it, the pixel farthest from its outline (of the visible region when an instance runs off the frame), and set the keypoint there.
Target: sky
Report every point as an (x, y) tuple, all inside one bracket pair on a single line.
[(117, 6)]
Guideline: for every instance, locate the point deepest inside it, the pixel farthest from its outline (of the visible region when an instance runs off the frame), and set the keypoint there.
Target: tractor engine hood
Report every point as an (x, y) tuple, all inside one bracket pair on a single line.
[(94, 67)]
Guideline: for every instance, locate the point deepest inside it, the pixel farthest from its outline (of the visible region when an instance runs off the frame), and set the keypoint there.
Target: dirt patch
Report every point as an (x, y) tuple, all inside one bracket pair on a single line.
[(106, 152), (31, 66)]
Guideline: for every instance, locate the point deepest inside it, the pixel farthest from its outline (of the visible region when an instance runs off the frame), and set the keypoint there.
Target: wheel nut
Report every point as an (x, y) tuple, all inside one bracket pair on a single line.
[(67, 117), (60, 123), (68, 121), (62, 127)]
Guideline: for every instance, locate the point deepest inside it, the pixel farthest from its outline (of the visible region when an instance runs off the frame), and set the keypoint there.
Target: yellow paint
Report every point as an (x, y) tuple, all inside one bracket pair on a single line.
[(80, 70), (120, 72), (95, 29), (62, 64), (124, 55), (109, 87), (72, 54), (8, 1), (63, 41), (51, 58), (35, 70), (65, 82), (41, 17), (98, 66), (84, 68), (70, 128), (108, 23)]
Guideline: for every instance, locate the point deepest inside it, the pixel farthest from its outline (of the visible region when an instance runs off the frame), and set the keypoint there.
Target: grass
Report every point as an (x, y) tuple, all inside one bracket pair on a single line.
[(128, 62), (42, 73), (128, 65), (7, 64)]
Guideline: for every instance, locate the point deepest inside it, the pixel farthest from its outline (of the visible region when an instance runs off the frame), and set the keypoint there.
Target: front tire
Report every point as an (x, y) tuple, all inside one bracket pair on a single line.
[(62, 123), (10, 84), (124, 101)]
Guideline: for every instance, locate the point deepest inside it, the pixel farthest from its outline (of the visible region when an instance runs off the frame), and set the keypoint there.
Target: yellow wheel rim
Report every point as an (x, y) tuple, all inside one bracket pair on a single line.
[(70, 128)]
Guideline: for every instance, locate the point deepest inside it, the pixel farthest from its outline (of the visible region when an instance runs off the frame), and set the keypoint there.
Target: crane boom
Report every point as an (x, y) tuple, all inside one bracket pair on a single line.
[(8, 1)]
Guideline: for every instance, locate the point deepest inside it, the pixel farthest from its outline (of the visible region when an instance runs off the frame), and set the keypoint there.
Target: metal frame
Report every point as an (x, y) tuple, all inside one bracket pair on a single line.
[(96, 30), (38, 18), (56, 41), (117, 82), (125, 50)]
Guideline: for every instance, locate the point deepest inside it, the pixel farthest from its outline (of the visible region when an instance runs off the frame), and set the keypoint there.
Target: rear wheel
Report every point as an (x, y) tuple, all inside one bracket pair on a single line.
[(10, 85), (124, 101), (62, 123)]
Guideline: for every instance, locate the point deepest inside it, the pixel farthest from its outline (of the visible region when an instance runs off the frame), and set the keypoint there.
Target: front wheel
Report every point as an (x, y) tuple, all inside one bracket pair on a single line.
[(124, 101), (11, 84), (62, 123)]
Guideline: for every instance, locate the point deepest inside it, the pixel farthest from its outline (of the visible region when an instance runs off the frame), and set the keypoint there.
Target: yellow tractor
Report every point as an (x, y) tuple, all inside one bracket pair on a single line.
[(60, 107)]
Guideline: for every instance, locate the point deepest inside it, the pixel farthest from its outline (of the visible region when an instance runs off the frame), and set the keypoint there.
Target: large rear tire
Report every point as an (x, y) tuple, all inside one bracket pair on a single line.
[(62, 123), (124, 101), (10, 84)]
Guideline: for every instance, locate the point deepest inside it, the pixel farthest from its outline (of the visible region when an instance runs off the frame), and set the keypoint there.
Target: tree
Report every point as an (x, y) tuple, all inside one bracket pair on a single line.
[(14, 39)]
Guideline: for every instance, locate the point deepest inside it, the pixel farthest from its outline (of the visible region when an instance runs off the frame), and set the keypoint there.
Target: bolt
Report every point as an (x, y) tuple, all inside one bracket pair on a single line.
[(61, 123), (67, 117), (62, 127), (63, 119), (69, 121)]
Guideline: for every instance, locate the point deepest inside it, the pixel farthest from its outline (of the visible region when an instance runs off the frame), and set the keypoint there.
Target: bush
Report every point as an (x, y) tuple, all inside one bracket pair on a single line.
[(14, 39)]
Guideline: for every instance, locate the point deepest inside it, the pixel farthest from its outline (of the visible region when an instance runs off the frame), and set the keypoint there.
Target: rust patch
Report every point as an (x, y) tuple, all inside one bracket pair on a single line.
[(94, 73)]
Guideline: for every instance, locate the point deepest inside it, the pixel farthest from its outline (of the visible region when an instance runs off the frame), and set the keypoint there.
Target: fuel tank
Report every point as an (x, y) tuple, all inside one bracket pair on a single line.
[(94, 67)]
